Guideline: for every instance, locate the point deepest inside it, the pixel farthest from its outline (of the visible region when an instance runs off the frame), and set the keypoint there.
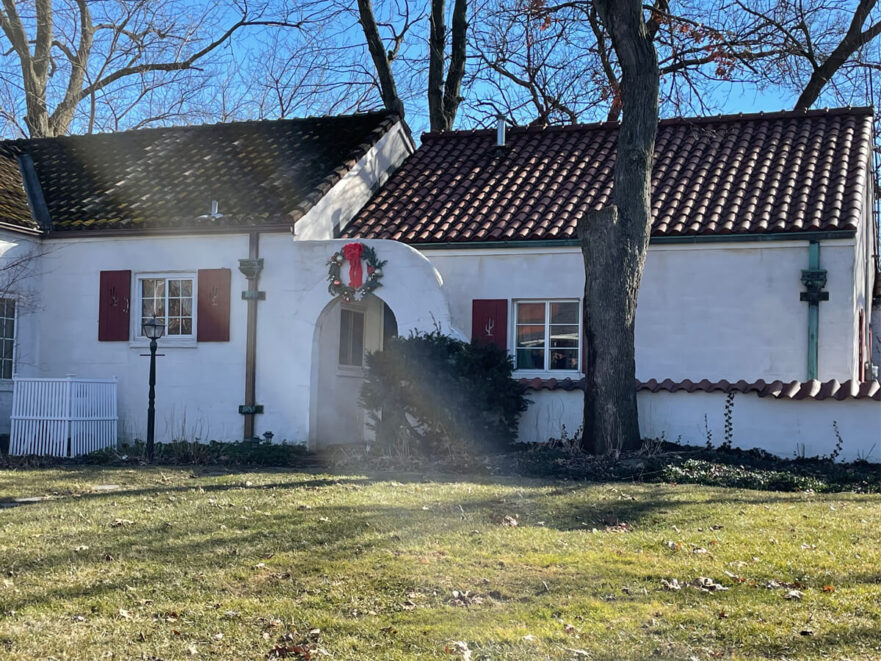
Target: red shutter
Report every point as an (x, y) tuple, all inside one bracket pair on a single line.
[(489, 322), (213, 305), (114, 303)]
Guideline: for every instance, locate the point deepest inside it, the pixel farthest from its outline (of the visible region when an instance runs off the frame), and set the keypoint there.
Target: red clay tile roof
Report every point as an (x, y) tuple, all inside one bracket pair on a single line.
[(776, 389), (260, 172), (750, 174)]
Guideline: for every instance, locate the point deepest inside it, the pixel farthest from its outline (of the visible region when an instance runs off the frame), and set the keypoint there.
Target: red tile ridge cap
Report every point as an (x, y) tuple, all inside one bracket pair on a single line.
[(793, 390), (669, 121)]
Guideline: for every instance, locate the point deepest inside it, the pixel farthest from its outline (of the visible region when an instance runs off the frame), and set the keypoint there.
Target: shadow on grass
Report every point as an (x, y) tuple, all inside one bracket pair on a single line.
[(322, 539)]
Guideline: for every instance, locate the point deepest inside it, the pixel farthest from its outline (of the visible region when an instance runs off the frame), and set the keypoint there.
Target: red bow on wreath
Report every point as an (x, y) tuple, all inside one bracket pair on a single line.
[(352, 253)]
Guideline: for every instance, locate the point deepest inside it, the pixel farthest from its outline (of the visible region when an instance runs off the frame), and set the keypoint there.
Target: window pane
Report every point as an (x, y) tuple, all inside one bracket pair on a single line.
[(186, 307), (174, 288), (564, 359), (530, 336), (564, 313), (153, 288), (174, 327), (174, 307), (7, 349), (186, 288), (530, 313), (6, 369), (9, 328), (564, 336), (345, 337), (357, 338), (530, 359), (186, 326)]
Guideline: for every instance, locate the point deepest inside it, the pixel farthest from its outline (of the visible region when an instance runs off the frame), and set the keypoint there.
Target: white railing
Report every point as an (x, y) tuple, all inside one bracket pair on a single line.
[(62, 417)]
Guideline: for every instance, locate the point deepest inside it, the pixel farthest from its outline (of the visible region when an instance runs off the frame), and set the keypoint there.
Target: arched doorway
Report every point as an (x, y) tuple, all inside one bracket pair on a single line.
[(345, 333)]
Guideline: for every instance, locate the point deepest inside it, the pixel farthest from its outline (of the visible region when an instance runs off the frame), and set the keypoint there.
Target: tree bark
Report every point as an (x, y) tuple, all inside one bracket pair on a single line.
[(436, 47), (443, 95), (387, 88), (614, 240), (853, 39)]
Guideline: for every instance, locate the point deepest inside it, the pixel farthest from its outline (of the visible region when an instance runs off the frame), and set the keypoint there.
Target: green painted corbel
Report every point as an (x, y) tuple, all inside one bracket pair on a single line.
[(814, 279)]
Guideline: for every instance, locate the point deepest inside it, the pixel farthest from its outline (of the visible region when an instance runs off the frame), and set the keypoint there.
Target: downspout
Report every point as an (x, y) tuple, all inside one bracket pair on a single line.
[(251, 269), (814, 279)]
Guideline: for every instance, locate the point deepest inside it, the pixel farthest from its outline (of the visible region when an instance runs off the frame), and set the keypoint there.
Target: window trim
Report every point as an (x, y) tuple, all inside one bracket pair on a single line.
[(4, 382), (135, 311), (513, 336), (357, 309)]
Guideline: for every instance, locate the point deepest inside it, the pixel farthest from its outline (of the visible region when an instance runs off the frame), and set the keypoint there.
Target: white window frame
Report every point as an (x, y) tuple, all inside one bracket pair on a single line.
[(357, 309), (6, 382), (547, 340), (135, 310)]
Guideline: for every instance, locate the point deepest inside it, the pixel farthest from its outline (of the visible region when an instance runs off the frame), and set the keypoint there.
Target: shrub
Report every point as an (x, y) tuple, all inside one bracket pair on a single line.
[(432, 394)]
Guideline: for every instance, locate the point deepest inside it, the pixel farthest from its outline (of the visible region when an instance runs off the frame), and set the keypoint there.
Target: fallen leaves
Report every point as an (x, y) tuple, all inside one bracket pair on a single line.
[(465, 598), (509, 521), (119, 523), (707, 584), (672, 584), (460, 648), (793, 594)]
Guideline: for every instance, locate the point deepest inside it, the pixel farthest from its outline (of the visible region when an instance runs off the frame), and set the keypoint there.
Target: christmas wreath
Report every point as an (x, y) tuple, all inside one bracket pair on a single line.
[(358, 288)]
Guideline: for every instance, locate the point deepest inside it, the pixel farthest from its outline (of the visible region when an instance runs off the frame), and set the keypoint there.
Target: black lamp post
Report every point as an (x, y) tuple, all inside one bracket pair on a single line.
[(153, 329)]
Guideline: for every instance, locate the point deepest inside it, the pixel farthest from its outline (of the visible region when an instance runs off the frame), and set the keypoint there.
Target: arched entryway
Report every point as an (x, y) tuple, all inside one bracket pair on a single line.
[(345, 333)]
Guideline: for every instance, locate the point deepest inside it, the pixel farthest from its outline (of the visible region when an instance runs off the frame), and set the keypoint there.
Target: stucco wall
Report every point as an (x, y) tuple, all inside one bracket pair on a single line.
[(200, 385), (713, 310), (783, 427), (19, 279)]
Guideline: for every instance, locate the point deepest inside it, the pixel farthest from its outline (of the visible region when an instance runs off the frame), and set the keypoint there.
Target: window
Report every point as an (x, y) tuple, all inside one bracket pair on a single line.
[(351, 337), (548, 335), (170, 299), (7, 336)]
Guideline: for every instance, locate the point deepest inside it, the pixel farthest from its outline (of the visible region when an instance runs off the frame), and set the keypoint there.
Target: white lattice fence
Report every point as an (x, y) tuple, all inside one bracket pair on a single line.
[(62, 417)]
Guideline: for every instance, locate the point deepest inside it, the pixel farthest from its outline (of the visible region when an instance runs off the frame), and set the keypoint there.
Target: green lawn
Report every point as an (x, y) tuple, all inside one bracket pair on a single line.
[(171, 565)]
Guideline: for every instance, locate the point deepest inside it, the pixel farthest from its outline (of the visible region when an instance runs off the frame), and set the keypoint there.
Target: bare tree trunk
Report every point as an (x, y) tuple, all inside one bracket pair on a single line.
[(387, 88), (437, 38), (443, 96), (615, 239), (853, 39)]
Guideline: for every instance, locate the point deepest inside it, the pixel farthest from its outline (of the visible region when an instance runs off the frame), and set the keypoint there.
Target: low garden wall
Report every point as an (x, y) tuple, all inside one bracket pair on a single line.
[(785, 427)]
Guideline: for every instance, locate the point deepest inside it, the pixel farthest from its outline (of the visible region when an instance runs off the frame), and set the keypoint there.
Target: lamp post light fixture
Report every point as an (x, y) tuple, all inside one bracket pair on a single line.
[(153, 330)]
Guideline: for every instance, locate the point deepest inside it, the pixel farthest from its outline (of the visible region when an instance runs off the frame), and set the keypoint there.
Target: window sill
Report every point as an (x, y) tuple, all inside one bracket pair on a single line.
[(542, 374), (163, 343)]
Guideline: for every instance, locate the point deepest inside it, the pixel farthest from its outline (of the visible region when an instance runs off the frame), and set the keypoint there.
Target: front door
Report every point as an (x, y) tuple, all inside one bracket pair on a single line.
[(347, 332)]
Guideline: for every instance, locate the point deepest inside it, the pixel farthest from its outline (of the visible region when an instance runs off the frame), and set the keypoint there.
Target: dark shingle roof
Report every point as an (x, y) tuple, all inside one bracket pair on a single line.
[(260, 172), (14, 208), (750, 174)]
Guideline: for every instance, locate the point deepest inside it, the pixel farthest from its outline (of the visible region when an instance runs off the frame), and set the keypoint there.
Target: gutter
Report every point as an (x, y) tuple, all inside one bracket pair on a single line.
[(169, 231), (251, 269), (655, 240)]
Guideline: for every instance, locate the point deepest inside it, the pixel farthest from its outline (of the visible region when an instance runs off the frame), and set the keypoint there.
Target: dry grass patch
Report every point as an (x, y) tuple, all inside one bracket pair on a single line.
[(163, 563)]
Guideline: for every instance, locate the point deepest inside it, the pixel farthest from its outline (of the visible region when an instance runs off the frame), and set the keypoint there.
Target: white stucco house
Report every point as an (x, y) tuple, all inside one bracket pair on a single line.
[(758, 281)]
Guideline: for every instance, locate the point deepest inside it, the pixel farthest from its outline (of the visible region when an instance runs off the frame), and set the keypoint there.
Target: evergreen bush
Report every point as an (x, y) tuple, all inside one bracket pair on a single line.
[(432, 394)]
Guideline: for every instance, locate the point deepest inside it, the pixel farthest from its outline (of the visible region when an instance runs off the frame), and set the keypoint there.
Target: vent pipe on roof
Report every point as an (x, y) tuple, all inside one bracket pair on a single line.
[(500, 130)]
